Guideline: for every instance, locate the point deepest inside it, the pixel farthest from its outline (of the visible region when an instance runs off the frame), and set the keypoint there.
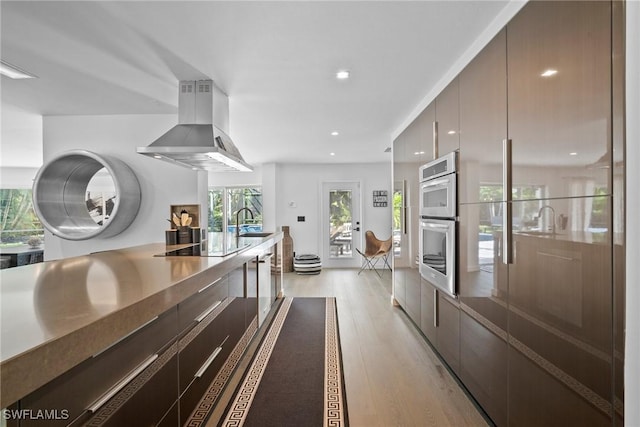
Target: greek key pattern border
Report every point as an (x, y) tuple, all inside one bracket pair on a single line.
[(333, 400), (501, 333), (195, 331), (207, 403), (582, 390), (242, 402), (113, 405)]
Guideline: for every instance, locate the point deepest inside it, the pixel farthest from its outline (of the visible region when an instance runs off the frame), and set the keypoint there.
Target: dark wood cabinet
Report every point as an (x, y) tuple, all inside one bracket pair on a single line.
[(440, 323), (483, 123), (537, 341), (147, 399), (428, 298), (412, 304), (448, 331), (538, 398), (195, 308), (559, 98), (448, 118), (83, 386), (483, 363), (399, 285), (560, 313), (159, 373)]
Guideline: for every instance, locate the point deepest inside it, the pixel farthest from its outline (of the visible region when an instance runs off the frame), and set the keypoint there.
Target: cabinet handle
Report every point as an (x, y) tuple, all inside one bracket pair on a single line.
[(121, 384), (564, 258), (442, 182), (507, 211), (435, 308), (210, 285), (126, 336), (209, 310), (210, 359), (404, 206), (435, 139), (263, 258)]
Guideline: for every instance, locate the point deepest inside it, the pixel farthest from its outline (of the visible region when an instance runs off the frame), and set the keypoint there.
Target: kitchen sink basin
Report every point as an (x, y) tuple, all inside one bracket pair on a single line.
[(256, 234)]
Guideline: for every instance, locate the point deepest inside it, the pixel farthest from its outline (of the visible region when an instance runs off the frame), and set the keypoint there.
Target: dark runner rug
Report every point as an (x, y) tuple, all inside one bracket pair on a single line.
[(295, 378)]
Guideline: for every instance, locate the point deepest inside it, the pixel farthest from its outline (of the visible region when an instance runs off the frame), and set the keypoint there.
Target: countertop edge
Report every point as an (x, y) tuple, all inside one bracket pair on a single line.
[(29, 370)]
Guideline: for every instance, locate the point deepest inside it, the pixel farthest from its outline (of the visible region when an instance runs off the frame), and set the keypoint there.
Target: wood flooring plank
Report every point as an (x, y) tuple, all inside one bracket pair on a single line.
[(392, 377)]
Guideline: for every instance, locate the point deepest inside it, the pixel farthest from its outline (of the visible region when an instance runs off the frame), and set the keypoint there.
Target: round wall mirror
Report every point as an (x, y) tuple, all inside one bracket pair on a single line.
[(101, 196), (79, 195)]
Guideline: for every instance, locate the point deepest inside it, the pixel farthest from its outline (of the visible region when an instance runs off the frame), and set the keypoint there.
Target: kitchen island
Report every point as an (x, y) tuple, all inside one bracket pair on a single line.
[(59, 318)]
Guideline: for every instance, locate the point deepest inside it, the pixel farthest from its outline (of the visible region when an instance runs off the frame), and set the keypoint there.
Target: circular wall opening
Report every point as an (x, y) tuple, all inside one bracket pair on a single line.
[(68, 210)]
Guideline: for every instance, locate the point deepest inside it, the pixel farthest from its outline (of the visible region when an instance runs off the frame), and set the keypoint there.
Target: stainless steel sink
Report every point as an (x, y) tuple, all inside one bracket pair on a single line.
[(256, 234)]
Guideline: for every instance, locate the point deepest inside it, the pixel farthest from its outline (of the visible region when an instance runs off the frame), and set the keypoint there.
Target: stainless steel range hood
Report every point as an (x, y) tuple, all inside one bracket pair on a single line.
[(196, 142)]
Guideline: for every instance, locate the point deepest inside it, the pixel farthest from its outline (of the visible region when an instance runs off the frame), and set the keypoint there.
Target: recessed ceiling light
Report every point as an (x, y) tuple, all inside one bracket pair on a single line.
[(548, 73), (335, 133), (342, 75), (573, 154), (332, 154), (452, 132), (14, 72), (417, 153)]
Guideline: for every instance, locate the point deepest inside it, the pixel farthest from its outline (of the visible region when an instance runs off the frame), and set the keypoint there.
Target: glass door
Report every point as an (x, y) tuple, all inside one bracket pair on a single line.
[(341, 224)]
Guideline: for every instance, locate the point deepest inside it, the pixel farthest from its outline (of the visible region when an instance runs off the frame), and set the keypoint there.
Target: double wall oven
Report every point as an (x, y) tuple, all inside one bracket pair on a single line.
[(438, 223)]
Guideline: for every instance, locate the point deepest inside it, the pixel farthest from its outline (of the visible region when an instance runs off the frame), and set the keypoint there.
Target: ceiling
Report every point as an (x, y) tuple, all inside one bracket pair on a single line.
[(275, 60)]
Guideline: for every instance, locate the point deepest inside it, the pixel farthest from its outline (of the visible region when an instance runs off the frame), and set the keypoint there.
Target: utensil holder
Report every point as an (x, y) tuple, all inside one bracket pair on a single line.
[(195, 235), (171, 237), (184, 235)]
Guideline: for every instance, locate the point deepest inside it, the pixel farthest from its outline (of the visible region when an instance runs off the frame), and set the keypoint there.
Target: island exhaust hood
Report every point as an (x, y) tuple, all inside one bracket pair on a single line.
[(195, 142)]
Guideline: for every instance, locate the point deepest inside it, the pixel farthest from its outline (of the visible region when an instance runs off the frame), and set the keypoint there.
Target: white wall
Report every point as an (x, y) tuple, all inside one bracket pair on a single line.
[(632, 336), (20, 138), (162, 184), (21, 178), (20, 147), (301, 184)]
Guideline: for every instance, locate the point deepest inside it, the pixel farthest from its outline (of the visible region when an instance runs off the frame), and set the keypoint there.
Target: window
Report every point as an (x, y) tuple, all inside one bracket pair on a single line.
[(525, 211), (18, 219), (224, 202)]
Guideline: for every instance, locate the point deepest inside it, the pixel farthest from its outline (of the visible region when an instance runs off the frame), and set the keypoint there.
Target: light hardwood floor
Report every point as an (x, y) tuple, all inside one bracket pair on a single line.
[(392, 376)]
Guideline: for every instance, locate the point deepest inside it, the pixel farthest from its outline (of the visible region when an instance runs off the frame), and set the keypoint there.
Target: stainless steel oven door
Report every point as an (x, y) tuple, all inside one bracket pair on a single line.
[(437, 252), (438, 197)]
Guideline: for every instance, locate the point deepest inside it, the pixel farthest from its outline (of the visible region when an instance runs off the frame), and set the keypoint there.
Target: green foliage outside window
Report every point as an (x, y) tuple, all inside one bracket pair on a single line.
[(397, 210), (236, 199), (340, 207), (18, 220)]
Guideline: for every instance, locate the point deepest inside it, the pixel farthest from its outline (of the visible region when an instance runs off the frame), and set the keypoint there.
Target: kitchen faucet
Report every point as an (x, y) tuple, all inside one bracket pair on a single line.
[(553, 218), (238, 220)]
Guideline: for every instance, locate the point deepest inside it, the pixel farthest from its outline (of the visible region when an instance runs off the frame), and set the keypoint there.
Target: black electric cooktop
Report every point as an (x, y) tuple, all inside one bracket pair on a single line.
[(206, 249)]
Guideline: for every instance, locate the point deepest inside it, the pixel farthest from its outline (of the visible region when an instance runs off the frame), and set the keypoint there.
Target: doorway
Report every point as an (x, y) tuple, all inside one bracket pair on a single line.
[(340, 231)]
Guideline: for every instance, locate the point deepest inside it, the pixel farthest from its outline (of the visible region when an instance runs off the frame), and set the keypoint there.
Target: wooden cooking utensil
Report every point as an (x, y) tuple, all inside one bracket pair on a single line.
[(176, 220)]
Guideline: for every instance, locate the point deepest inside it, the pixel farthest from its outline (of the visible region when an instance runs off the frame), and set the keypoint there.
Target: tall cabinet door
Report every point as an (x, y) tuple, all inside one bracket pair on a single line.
[(560, 281), (447, 117), (482, 274), (483, 124), (559, 98), (560, 322)]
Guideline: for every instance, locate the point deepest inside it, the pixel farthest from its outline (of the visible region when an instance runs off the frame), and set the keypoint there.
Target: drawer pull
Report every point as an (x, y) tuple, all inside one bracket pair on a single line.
[(121, 384), (564, 258), (126, 336), (208, 362), (210, 285), (209, 310)]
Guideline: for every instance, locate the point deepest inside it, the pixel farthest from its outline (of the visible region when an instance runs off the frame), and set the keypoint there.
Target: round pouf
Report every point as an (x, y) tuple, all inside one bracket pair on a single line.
[(307, 264)]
